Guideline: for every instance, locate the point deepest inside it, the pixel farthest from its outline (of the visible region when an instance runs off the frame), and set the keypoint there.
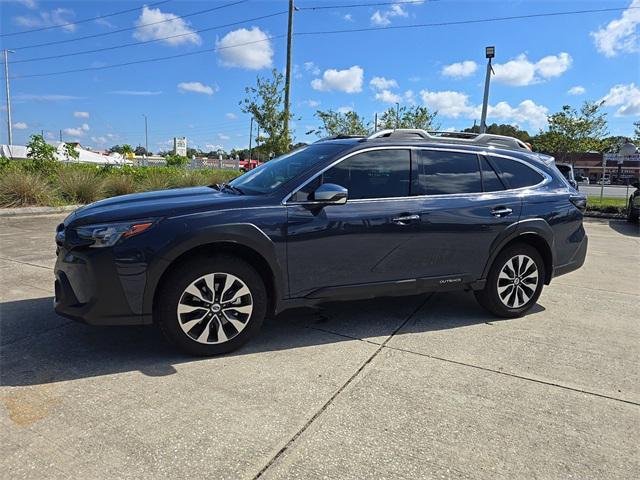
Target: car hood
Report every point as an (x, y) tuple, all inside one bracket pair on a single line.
[(164, 203)]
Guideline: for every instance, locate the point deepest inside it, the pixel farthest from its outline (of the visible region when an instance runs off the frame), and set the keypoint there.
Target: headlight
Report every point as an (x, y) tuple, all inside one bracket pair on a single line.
[(107, 234)]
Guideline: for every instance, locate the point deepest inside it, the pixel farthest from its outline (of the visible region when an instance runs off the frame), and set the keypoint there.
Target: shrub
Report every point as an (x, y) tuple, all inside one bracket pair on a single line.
[(191, 179), (220, 176), (176, 160), (23, 189), (116, 185), (42, 154), (158, 179), (80, 185)]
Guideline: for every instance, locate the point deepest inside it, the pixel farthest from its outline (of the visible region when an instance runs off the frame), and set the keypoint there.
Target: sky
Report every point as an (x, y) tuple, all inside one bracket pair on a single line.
[(217, 49)]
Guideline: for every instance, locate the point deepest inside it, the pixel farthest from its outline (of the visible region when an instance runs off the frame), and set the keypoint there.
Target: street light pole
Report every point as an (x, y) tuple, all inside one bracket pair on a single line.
[(6, 81), (490, 52), (250, 140)]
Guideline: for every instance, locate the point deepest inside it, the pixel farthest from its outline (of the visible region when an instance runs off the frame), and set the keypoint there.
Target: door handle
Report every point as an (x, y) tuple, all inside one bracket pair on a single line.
[(405, 219), (501, 211)]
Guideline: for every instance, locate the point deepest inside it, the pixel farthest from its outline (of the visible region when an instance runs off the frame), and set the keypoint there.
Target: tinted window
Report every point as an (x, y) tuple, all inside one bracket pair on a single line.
[(516, 174), (442, 173), (490, 180), (377, 174), (269, 176)]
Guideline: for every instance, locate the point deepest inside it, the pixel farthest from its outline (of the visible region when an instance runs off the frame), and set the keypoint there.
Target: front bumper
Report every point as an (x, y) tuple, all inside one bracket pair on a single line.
[(94, 287)]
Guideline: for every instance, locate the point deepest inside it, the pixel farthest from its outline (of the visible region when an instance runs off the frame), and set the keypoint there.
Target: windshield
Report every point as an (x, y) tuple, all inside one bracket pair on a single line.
[(269, 176)]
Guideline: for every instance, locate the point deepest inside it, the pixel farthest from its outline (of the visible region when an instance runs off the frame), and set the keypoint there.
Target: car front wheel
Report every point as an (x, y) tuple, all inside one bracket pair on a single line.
[(210, 306), (514, 282)]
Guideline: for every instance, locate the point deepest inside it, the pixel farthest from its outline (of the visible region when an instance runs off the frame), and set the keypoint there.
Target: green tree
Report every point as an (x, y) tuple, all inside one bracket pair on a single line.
[(70, 152), (636, 133), (337, 123), (613, 144), (265, 103), (115, 149), (409, 117), (42, 154), (503, 129), (127, 151), (573, 131), (141, 151)]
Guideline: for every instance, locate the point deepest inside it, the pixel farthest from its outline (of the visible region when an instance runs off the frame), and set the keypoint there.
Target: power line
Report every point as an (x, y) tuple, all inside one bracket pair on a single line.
[(85, 20), (329, 32), (146, 42), (113, 32), (356, 5), (148, 60), (465, 22)]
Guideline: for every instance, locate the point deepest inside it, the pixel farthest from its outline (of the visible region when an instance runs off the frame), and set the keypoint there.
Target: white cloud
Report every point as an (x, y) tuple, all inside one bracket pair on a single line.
[(619, 35), (348, 81), (627, 97), (104, 23), (213, 146), (348, 17), (73, 132), (85, 127), (197, 87), (345, 109), (410, 97), (161, 25), (231, 116), (521, 72), (99, 140), (387, 96), (311, 103), (136, 93), (381, 83), (222, 136), (456, 104), (460, 69), (20, 126), (312, 68), (44, 97), (81, 114), (242, 48), (383, 18), (30, 4), (55, 17), (577, 90)]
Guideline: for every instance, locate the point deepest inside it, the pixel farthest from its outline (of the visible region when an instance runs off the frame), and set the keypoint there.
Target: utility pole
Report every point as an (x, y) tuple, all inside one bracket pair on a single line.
[(60, 134), (397, 115), (146, 136), (6, 81), (489, 52), (375, 123), (287, 77), (250, 139), (258, 143)]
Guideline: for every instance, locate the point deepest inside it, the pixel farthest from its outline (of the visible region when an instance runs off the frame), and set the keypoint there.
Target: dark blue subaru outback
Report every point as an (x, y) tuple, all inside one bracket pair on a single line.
[(400, 212)]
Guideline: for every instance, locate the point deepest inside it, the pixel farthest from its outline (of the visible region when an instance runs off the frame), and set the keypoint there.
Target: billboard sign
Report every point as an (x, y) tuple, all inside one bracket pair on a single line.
[(180, 146)]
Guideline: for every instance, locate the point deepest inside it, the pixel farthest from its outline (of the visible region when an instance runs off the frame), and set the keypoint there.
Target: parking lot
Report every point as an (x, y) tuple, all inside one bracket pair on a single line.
[(417, 387)]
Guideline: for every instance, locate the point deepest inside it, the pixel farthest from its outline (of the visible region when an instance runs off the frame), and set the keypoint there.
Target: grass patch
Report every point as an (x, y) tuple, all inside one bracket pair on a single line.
[(24, 183), (607, 205)]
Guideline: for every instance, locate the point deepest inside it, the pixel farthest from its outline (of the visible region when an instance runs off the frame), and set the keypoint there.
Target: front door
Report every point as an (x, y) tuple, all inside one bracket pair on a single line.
[(354, 243)]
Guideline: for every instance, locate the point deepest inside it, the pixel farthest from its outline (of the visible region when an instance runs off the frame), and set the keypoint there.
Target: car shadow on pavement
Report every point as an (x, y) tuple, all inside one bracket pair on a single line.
[(625, 228), (39, 347)]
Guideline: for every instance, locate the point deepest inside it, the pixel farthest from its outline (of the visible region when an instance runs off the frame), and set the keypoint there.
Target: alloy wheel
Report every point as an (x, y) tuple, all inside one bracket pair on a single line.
[(215, 308), (517, 281)]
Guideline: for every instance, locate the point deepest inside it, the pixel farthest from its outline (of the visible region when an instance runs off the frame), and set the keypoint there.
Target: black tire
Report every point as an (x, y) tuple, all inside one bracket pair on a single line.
[(490, 299), (172, 294)]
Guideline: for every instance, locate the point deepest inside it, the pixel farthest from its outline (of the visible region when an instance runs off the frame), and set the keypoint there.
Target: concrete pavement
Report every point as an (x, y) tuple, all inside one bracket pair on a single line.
[(417, 387)]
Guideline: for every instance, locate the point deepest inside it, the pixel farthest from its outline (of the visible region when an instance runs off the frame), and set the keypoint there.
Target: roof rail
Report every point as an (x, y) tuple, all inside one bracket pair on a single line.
[(465, 138)]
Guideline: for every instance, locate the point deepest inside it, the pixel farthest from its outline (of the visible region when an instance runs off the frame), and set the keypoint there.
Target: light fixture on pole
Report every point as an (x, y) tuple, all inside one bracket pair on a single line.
[(489, 53)]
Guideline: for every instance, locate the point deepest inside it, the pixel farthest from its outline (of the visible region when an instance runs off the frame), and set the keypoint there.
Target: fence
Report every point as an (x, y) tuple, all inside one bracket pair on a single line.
[(192, 164)]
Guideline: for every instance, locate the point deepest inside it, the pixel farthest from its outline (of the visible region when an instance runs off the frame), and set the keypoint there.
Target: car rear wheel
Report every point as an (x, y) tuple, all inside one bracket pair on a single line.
[(210, 306), (514, 282)]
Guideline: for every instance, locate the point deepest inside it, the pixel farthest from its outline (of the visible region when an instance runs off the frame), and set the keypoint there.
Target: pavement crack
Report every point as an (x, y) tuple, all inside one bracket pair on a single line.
[(25, 263), (328, 403)]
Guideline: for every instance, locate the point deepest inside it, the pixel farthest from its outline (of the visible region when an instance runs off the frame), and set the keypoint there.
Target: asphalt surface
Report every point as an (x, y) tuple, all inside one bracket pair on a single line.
[(615, 191), (417, 387)]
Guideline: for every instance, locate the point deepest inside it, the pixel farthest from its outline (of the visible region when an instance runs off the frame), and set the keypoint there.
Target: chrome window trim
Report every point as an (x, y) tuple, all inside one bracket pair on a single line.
[(546, 178)]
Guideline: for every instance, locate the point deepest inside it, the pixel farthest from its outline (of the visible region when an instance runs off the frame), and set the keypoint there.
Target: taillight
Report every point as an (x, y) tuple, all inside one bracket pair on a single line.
[(580, 202)]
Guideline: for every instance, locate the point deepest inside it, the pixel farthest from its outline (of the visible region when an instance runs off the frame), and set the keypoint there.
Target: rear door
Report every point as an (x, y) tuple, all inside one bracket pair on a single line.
[(463, 207)]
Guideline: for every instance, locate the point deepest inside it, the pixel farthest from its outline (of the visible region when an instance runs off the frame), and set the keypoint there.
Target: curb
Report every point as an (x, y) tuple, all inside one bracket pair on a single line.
[(26, 211), (604, 216)]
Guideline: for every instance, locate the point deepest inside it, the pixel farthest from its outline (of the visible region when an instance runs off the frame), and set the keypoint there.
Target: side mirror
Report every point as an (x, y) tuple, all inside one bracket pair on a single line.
[(574, 184), (331, 193)]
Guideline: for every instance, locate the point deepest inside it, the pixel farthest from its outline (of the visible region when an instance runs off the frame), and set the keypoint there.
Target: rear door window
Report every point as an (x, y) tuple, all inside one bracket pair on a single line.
[(445, 173), (516, 174), (490, 180)]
